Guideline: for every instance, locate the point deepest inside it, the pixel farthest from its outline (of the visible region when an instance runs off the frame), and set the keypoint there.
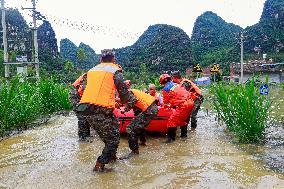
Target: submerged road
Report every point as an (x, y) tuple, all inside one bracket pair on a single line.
[(50, 156)]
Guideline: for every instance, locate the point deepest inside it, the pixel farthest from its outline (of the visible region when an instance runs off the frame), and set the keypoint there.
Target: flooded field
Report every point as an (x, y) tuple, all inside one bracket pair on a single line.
[(51, 157)]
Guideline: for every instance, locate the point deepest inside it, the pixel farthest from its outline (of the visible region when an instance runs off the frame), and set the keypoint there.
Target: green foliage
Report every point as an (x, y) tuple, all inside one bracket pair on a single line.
[(282, 86), (268, 34), (243, 110), (90, 59), (18, 34), (54, 97), (161, 47), (68, 50), (2, 70), (213, 40), (48, 50), (81, 55), (69, 66), (143, 79), (12, 56), (21, 103)]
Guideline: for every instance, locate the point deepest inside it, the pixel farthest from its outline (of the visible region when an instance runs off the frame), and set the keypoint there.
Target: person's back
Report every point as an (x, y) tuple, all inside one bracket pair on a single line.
[(194, 92), (177, 97), (174, 94), (98, 102)]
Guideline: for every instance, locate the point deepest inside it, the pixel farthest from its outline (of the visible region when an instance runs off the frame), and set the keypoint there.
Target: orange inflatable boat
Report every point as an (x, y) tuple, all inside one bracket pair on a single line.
[(158, 124)]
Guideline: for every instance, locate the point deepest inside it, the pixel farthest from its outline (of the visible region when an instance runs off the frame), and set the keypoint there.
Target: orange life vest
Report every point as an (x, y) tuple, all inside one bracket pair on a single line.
[(79, 85), (144, 100), (100, 89), (196, 91), (174, 94)]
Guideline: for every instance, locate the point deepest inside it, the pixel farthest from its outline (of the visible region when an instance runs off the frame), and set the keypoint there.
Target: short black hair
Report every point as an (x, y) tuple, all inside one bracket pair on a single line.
[(107, 58), (176, 74)]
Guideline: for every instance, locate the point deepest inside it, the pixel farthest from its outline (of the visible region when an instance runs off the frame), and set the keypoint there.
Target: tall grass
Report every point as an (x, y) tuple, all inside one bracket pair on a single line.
[(23, 102), (243, 109)]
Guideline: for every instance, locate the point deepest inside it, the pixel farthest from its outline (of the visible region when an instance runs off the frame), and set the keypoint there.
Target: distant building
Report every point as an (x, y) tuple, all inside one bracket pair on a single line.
[(202, 81), (261, 68)]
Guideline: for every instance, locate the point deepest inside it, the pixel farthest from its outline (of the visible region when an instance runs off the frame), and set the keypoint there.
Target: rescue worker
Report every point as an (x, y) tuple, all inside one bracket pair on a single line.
[(153, 92), (75, 95), (137, 111), (98, 103), (118, 103), (195, 94), (175, 96), (145, 110)]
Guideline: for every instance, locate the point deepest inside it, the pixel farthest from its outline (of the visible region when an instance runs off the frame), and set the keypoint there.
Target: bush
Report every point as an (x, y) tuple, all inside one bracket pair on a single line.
[(243, 110)]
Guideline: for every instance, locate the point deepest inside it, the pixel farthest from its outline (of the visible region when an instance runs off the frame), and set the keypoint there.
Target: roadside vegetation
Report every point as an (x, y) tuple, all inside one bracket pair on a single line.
[(243, 109), (23, 102)]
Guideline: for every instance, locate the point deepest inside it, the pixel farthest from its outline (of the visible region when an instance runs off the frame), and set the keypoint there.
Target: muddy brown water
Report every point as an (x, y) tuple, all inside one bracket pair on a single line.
[(51, 157)]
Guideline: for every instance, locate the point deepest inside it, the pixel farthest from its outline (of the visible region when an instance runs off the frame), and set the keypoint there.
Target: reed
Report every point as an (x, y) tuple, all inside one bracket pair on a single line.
[(243, 109), (23, 102)]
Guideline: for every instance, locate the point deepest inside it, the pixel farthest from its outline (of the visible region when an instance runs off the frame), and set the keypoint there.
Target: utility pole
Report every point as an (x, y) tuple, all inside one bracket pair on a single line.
[(35, 41), (7, 71), (242, 58)]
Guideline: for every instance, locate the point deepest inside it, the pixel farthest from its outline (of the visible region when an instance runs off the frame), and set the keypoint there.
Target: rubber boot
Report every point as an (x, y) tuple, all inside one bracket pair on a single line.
[(131, 154), (135, 152), (171, 135), (142, 139), (99, 167), (183, 131), (113, 159), (193, 126)]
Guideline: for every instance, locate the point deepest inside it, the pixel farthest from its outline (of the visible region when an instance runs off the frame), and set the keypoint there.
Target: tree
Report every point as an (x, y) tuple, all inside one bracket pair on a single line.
[(68, 66), (81, 55)]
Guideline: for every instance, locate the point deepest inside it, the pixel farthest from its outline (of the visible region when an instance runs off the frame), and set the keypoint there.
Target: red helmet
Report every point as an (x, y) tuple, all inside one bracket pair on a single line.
[(164, 78)]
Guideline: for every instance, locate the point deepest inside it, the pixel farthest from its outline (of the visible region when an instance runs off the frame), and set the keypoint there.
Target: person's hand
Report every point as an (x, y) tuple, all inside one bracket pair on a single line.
[(126, 109), (117, 105)]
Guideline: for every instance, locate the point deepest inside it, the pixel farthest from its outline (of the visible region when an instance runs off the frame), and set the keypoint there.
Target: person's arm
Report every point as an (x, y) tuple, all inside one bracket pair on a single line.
[(166, 99), (186, 85), (124, 94)]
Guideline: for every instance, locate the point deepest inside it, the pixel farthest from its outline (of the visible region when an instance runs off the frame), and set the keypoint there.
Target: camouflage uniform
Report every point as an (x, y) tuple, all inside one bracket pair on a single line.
[(83, 125), (138, 125), (197, 104), (106, 125), (104, 121), (192, 117)]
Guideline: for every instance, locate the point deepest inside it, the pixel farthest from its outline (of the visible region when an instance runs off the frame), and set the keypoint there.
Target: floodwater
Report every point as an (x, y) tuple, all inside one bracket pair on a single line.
[(51, 157)]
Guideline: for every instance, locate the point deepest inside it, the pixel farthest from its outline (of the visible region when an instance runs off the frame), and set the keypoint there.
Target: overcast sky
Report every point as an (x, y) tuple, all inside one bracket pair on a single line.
[(119, 23)]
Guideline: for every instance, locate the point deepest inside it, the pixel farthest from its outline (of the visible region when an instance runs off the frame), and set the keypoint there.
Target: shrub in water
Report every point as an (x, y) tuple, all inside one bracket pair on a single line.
[(243, 110)]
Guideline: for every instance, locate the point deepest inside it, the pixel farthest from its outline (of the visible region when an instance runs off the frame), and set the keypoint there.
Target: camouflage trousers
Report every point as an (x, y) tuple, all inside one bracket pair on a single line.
[(83, 125), (138, 125), (106, 125), (192, 117)]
